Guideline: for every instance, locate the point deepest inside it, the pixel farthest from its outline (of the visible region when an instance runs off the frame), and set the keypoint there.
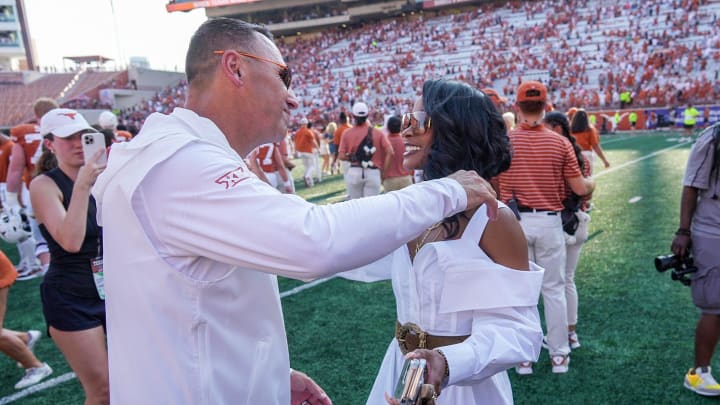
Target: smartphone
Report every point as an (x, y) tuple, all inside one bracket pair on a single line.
[(93, 142), (410, 382)]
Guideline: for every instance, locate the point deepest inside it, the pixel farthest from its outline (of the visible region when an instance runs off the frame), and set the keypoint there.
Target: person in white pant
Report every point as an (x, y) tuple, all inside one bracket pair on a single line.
[(558, 123), (535, 184), (364, 177), (306, 146), (208, 238)]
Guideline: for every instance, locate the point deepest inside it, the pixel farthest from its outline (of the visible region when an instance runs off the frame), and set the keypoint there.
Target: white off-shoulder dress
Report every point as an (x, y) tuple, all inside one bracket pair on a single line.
[(454, 289)]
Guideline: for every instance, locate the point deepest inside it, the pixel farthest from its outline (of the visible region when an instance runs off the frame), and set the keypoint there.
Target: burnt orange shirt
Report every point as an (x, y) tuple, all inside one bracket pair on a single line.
[(587, 139), (123, 136), (338, 133), (396, 168), (266, 156), (355, 135), (28, 137), (8, 274), (5, 151), (304, 138)]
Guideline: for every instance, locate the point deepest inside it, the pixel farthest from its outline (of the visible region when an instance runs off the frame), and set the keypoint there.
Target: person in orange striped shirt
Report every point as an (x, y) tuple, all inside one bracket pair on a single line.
[(542, 162)]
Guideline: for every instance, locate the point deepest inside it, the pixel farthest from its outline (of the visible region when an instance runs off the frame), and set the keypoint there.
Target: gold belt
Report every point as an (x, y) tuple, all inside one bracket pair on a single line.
[(411, 337)]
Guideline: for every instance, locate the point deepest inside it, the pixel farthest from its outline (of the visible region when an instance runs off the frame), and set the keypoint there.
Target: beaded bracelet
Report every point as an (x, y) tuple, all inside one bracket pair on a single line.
[(447, 366)]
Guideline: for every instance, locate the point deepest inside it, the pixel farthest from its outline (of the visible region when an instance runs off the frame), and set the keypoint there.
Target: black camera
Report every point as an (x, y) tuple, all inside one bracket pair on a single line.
[(681, 267)]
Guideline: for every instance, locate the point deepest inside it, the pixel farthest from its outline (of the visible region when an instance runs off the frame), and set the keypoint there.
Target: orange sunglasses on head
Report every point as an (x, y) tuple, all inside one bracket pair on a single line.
[(285, 72)]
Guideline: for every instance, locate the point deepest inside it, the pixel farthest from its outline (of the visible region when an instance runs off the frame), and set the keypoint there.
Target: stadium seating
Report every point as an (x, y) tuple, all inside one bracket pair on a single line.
[(666, 52)]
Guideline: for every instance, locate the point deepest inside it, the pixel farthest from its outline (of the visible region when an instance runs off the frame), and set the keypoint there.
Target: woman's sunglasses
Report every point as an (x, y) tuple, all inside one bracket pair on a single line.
[(417, 119), (285, 73)]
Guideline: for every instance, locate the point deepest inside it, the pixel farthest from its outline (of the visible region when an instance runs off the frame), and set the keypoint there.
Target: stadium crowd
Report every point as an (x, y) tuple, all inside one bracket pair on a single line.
[(587, 53)]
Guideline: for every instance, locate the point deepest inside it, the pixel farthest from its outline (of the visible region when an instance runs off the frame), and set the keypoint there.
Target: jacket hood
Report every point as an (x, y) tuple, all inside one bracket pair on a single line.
[(159, 133)]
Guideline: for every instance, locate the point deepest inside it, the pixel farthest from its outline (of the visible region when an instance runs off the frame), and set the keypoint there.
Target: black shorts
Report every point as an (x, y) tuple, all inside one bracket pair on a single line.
[(69, 312), (688, 126)]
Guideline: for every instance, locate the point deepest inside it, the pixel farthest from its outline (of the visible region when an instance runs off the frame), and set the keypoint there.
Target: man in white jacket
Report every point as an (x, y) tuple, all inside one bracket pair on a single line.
[(193, 241)]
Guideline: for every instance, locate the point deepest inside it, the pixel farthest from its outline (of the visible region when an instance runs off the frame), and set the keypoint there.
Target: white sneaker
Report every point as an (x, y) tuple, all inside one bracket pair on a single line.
[(524, 368), (573, 340), (29, 273), (33, 376), (560, 363), (702, 382), (33, 337)]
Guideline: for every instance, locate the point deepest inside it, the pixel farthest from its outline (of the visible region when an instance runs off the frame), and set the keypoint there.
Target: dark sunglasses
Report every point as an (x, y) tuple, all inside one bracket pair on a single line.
[(416, 119), (285, 72)]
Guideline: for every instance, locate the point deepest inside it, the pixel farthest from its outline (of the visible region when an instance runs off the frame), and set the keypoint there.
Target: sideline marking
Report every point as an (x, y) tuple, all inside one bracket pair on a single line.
[(302, 287), (613, 140), (37, 387), (632, 162), (69, 376)]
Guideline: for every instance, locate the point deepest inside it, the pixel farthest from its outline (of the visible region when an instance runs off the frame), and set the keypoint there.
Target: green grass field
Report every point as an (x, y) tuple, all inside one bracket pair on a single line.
[(636, 325)]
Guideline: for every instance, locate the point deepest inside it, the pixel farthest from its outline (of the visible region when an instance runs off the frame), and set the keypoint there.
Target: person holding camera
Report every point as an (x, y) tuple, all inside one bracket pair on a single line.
[(699, 233)]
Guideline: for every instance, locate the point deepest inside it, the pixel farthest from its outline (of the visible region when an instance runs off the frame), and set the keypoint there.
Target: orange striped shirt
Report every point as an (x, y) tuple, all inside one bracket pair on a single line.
[(542, 161)]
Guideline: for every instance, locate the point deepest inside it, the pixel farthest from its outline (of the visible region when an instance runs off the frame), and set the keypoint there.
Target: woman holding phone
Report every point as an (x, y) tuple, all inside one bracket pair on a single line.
[(466, 293), (72, 292)]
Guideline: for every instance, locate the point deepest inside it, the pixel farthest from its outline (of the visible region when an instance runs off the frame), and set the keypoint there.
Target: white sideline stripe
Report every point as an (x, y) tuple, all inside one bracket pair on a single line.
[(300, 288), (632, 162), (69, 376), (37, 387), (615, 140)]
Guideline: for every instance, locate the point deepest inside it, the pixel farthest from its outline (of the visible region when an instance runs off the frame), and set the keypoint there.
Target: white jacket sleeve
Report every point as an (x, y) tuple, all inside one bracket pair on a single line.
[(188, 213), (506, 324), (500, 339)]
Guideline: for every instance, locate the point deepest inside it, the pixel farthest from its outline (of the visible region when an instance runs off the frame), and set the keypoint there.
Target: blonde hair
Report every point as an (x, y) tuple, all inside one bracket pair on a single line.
[(44, 104), (330, 129)]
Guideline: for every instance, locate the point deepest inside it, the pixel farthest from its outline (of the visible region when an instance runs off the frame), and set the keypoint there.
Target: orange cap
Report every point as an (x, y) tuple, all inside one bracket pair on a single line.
[(532, 91)]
